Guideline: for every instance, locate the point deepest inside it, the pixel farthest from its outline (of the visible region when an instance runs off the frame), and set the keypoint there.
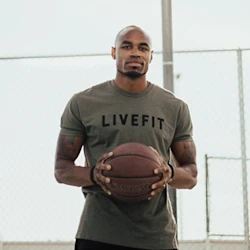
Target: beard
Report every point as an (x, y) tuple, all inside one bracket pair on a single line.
[(132, 74)]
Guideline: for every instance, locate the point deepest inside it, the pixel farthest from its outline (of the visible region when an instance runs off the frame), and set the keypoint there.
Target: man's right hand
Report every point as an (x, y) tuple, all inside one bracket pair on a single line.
[(99, 178)]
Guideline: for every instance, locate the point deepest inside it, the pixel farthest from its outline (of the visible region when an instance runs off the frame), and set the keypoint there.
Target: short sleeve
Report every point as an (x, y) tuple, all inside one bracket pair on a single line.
[(184, 126), (71, 123)]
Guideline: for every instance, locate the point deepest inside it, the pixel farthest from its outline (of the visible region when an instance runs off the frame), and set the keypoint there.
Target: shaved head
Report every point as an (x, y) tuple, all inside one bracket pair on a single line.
[(130, 28)]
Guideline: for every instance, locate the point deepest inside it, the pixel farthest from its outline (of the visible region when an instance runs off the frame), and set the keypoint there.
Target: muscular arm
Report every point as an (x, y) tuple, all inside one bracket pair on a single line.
[(68, 149), (184, 159)]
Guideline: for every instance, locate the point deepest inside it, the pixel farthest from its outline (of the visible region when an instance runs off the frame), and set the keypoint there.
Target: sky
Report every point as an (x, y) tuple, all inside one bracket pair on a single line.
[(72, 27), (34, 92)]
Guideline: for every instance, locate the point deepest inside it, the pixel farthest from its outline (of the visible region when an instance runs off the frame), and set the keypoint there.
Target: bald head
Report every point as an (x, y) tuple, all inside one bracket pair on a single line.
[(131, 28)]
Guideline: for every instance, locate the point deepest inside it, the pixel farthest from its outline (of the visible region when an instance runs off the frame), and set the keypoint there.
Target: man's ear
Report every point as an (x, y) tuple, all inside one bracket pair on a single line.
[(151, 58), (113, 52)]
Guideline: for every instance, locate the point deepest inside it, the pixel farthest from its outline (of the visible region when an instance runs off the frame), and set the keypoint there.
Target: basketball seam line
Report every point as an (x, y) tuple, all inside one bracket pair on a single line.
[(142, 156), (133, 177)]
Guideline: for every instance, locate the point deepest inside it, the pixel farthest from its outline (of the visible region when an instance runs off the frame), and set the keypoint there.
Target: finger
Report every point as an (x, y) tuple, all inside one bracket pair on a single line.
[(102, 179), (105, 190), (163, 169), (157, 191), (153, 149), (103, 166), (101, 162), (158, 184), (106, 156)]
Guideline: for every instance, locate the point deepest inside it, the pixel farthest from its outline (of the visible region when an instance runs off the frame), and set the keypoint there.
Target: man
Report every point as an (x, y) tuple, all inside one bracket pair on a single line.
[(99, 119)]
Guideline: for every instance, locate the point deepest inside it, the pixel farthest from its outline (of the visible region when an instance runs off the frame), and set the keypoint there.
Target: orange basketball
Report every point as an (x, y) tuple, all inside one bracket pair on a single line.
[(132, 172)]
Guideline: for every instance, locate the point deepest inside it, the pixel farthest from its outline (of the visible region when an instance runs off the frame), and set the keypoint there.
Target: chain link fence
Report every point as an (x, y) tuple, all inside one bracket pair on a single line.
[(226, 215), (217, 90), (38, 213)]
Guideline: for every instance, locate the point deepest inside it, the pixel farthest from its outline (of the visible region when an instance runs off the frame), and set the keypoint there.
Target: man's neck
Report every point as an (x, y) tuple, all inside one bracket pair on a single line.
[(134, 85)]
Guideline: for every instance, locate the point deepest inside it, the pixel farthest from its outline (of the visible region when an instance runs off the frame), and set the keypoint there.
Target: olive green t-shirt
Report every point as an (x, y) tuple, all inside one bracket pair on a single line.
[(107, 116)]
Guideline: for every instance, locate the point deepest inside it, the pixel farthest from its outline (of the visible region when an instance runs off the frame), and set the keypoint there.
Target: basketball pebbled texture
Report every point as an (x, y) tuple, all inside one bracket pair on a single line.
[(132, 172)]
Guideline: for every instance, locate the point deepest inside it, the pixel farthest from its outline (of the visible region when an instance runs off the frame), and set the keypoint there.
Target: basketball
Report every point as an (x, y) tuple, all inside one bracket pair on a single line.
[(132, 172)]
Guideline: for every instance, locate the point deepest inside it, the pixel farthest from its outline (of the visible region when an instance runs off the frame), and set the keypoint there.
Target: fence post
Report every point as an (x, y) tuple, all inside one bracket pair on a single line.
[(243, 148), (207, 204)]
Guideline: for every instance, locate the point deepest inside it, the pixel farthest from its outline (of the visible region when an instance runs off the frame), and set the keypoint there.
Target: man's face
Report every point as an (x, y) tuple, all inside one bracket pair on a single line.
[(132, 53)]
